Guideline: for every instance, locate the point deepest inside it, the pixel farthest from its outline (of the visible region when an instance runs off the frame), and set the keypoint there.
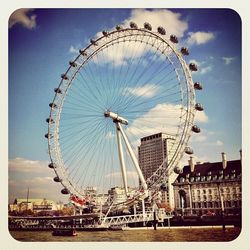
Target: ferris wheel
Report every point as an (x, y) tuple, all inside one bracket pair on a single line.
[(127, 84)]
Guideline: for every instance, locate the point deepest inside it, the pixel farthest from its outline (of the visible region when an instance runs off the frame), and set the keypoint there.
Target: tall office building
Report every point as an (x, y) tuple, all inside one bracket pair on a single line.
[(152, 152)]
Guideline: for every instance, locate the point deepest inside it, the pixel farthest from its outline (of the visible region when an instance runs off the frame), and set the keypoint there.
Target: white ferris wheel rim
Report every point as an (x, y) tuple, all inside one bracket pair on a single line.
[(81, 60)]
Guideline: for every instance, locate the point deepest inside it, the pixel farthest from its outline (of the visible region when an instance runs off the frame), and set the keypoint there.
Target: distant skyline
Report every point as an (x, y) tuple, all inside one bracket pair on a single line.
[(42, 41)]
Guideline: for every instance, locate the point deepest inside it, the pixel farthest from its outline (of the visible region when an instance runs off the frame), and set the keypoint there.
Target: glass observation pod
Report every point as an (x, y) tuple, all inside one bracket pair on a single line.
[(189, 150), (57, 179), (64, 77), (196, 129), (133, 25), (177, 170), (184, 51), (163, 187), (147, 26), (53, 105), (57, 90), (48, 136), (193, 67), (161, 30), (174, 39), (65, 191), (199, 107), (73, 64), (105, 33), (197, 86), (51, 165), (50, 120), (82, 52), (92, 41), (118, 27)]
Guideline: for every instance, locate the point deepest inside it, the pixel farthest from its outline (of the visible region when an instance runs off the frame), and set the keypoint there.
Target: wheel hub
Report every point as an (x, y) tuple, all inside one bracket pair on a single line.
[(115, 117)]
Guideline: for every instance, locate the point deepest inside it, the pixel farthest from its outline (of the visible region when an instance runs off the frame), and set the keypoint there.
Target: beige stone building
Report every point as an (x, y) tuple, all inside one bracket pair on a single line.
[(209, 188)]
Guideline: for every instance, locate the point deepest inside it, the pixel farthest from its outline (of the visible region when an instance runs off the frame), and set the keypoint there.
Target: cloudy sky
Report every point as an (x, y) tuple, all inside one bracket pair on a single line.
[(42, 41)]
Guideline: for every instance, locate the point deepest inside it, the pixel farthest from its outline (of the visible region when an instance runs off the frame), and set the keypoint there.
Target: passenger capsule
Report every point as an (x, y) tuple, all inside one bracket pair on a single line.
[(199, 107), (184, 51), (163, 187), (196, 129), (65, 191), (82, 52), (51, 165), (147, 26), (105, 33), (193, 67), (133, 25), (189, 151), (197, 86), (174, 39), (64, 77), (57, 90), (50, 120), (73, 64), (53, 105), (48, 136), (57, 179), (177, 170), (161, 30), (118, 27), (92, 41)]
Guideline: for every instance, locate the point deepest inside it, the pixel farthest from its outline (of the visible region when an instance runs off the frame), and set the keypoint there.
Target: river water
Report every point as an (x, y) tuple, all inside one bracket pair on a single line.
[(159, 235)]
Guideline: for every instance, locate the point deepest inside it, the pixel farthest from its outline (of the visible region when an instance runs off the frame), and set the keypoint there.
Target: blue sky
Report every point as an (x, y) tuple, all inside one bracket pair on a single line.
[(42, 41)]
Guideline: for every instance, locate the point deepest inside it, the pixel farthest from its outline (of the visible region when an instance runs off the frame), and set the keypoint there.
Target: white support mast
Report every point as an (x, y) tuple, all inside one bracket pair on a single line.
[(133, 158), (118, 120), (121, 157)]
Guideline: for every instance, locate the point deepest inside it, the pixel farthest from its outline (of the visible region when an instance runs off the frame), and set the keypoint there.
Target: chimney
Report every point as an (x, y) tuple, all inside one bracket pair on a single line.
[(191, 164), (224, 160)]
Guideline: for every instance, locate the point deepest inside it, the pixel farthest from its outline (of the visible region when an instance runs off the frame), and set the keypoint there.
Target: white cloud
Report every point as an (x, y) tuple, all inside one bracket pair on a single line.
[(73, 50), (200, 37), (219, 143), (25, 166), (148, 90), (156, 120), (203, 68), (228, 60), (201, 116), (166, 18), (22, 16), (35, 175), (171, 21)]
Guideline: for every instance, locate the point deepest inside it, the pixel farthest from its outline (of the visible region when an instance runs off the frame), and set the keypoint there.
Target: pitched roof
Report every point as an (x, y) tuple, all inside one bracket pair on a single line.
[(214, 168)]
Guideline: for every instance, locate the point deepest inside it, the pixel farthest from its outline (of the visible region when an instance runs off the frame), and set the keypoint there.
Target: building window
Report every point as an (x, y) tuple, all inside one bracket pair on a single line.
[(216, 204)]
